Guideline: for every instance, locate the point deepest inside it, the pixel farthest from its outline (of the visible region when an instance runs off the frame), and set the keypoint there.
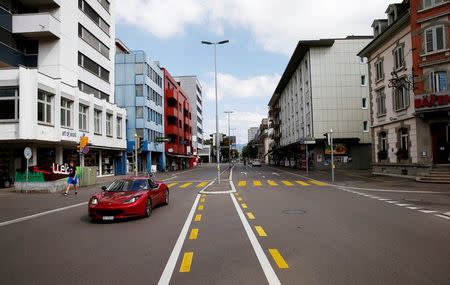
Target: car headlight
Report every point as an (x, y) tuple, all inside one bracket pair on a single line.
[(94, 201), (132, 200)]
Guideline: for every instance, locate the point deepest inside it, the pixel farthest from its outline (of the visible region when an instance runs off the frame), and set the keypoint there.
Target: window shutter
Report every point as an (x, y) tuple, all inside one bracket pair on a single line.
[(429, 40), (440, 37), (394, 103)]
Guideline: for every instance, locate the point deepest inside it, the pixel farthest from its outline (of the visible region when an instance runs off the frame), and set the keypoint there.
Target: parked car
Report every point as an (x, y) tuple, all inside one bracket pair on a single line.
[(256, 163), (129, 197)]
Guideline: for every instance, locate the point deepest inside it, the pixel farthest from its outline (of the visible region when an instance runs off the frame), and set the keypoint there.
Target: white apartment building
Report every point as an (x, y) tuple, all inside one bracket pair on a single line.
[(193, 89), (324, 87), (60, 86), (251, 133)]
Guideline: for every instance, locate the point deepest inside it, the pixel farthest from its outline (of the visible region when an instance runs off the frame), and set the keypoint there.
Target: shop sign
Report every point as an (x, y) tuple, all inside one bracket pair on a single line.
[(60, 168), (68, 134), (339, 149), (432, 101)]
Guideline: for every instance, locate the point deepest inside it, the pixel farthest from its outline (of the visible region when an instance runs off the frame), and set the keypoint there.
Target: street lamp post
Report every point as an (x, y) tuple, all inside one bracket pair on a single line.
[(332, 155), (217, 108), (229, 135)]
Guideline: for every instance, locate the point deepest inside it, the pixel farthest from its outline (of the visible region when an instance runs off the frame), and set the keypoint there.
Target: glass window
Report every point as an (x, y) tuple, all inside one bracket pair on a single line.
[(139, 68), (363, 80), (119, 127), (97, 122), (434, 39), (66, 113), (431, 3), (364, 103), (105, 4), (83, 118), (109, 118), (91, 90), (45, 107), (90, 39), (139, 112), (9, 103), (404, 137), (401, 98), (139, 90), (91, 66), (381, 103), (93, 15), (379, 70), (365, 126), (383, 141), (437, 81), (398, 57)]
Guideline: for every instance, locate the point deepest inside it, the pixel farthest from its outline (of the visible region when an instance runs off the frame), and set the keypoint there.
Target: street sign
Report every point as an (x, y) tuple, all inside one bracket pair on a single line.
[(310, 142), (85, 150), (161, 139), (28, 153)]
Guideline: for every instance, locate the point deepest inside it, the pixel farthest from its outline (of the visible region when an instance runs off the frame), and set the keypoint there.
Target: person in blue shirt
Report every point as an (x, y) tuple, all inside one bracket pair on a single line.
[(72, 179)]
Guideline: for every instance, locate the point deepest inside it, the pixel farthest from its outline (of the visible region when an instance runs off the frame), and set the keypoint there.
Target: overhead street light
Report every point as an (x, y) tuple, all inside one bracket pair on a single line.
[(217, 108), (229, 135)]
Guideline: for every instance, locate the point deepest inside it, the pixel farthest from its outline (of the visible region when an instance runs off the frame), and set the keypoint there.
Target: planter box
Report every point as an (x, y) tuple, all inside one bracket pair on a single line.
[(46, 187)]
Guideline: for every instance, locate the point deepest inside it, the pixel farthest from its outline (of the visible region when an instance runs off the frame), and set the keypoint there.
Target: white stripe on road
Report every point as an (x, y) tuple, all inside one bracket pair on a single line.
[(413, 208), (403, 205), (41, 214), (427, 211), (443, 216), (171, 263), (271, 276)]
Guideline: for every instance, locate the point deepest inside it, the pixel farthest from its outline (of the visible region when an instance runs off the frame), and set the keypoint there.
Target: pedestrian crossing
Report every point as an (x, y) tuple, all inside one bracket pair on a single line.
[(250, 183)]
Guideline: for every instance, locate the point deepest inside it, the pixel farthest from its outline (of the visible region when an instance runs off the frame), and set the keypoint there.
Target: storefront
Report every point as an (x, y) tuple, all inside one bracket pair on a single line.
[(102, 160)]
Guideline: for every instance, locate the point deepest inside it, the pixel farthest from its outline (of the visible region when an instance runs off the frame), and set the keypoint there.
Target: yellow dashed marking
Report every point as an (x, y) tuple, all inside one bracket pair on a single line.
[(250, 216), (244, 206), (242, 183), (186, 262), (202, 200), (194, 234), (318, 183), (198, 218), (260, 231), (303, 183), (279, 260), (257, 183), (202, 184), (185, 185), (287, 183), (172, 184), (272, 183), (200, 207), (239, 198)]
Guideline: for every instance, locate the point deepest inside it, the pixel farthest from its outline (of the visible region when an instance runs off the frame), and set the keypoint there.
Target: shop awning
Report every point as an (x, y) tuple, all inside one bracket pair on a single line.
[(180, 155)]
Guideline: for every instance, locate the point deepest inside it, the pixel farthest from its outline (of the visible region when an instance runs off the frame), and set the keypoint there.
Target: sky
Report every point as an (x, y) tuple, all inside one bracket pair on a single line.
[(262, 34)]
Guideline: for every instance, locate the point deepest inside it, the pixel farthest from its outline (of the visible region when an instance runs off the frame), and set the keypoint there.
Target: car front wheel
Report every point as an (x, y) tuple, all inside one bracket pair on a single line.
[(148, 208)]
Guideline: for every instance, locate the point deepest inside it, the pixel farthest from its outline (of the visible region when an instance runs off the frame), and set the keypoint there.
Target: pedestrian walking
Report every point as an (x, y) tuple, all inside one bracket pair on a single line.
[(72, 179)]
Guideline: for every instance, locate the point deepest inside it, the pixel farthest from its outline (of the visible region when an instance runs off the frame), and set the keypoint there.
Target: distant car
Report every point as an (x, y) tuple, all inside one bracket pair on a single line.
[(129, 197), (256, 163)]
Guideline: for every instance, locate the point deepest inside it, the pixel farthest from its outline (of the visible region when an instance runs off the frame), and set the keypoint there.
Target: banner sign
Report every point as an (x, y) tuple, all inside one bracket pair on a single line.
[(339, 149)]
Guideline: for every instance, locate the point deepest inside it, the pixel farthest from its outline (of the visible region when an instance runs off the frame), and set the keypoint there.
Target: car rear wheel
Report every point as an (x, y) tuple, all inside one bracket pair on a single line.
[(148, 208), (166, 201)]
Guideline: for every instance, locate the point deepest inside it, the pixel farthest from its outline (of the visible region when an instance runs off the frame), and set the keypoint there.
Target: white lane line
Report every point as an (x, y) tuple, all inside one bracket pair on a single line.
[(413, 208), (403, 205), (171, 263), (41, 214), (427, 211), (443, 216), (271, 276), (382, 199), (391, 202), (170, 178)]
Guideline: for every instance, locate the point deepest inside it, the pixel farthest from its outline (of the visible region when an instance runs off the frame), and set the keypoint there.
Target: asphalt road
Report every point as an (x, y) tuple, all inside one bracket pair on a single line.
[(276, 228)]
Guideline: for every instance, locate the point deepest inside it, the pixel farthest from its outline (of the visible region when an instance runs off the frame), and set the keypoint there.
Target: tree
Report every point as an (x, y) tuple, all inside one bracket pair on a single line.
[(250, 150)]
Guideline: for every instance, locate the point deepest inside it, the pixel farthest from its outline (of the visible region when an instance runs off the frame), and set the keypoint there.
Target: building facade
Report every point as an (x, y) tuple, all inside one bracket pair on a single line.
[(178, 125), (57, 85), (193, 90), (409, 69), (251, 133), (139, 89), (263, 140), (324, 87)]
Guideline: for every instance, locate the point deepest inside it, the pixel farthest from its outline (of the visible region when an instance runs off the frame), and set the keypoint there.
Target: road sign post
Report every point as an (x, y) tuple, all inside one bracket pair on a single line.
[(332, 154), (28, 153)]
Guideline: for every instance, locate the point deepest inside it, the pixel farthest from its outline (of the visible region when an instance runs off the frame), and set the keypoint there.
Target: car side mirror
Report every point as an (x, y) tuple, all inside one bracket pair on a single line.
[(104, 188)]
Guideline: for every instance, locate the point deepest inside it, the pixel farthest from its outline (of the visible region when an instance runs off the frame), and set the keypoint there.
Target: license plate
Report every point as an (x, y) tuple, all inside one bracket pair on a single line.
[(108, 218)]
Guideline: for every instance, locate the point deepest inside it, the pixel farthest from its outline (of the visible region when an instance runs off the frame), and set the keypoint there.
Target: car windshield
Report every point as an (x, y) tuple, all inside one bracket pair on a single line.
[(128, 185)]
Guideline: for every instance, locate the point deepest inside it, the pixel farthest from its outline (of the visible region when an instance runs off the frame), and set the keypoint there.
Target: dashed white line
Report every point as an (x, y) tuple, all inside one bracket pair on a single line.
[(427, 211), (403, 205), (391, 202), (414, 208), (443, 216)]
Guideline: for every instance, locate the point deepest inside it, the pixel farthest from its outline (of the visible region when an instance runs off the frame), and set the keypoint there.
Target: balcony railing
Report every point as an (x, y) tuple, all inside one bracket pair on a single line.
[(36, 25), (172, 130), (171, 94), (172, 111)]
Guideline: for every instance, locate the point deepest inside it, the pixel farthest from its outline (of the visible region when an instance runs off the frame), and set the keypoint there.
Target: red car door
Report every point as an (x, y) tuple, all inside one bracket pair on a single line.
[(155, 192)]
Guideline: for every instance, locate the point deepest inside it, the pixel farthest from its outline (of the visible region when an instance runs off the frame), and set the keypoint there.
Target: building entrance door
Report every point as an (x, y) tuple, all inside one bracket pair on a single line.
[(440, 135)]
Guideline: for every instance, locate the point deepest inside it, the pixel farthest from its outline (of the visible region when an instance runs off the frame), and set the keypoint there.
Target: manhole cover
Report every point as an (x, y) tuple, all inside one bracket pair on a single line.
[(293, 212)]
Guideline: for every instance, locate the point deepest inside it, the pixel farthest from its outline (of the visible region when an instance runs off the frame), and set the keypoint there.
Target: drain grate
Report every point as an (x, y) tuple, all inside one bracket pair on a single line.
[(294, 212)]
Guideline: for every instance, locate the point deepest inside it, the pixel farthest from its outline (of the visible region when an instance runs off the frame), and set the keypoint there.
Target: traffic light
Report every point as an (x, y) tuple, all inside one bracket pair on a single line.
[(138, 141), (79, 148), (327, 138), (84, 141)]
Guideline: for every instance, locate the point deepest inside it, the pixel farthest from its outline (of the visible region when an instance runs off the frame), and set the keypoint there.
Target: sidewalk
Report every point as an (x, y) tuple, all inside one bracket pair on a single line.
[(365, 179)]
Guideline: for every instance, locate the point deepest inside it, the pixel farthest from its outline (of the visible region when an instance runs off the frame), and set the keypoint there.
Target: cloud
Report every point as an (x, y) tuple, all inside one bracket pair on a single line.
[(229, 86), (240, 121), (274, 25)]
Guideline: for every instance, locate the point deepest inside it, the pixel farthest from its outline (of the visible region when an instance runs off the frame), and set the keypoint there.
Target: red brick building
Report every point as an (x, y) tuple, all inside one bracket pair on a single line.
[(430, 30), (177, 125)]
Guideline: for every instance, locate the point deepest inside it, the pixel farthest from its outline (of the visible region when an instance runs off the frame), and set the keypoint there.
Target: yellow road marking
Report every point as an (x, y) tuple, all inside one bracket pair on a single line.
[(250, 216), (198, 218), (287, 183), (202, 200), (244, 206), (202, 184), (200, 207), (203, 195), (303, 183), (242, 183), (239, 198), (186, 262), (236, 194), (194, 234), (260, 231), (272, 183), (257, 183), (172, 184), (185, 185), (279, 260), (318, 183)]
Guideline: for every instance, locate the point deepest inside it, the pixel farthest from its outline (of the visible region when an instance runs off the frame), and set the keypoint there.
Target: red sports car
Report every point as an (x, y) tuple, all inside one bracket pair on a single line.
[(129, 197)]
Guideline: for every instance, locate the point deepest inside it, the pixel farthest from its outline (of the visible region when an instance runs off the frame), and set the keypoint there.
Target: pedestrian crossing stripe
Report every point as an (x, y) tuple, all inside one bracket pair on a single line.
[(287, 183), (242, 183), (185, 185), (202, 184), (172, 184), (318, 183), (257, 183), (303, 183), (272, 183)]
